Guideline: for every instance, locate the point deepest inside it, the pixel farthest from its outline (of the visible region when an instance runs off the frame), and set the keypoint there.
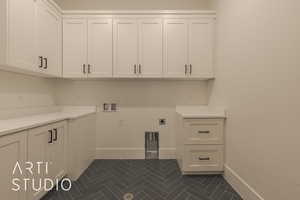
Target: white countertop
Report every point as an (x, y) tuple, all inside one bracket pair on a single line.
[(13, 125), (203, 112)]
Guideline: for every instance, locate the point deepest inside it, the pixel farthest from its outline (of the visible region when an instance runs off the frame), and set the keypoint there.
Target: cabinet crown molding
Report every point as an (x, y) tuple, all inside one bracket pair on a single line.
[(131, 12), (139, 12)]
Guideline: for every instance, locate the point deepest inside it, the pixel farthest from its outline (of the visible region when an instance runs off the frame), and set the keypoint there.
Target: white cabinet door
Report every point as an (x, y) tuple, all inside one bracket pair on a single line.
[(47, 144), (13, 149), (100, 48), (57, 151), (201, 34), (75, 48), (150, 48), (48, 32), (39, 140), (125, 47), (81, 146), (176, 47), (21, 34)]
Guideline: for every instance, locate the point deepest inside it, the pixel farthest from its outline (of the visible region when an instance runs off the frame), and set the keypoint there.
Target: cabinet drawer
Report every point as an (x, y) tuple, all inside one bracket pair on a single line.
[(203, 158), (203, 131)]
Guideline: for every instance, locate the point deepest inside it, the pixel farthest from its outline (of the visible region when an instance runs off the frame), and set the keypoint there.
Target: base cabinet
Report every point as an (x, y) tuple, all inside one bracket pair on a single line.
[(81, 148), (47, 145), (14, 146), (43, 154), (38, 151), (200, 145)]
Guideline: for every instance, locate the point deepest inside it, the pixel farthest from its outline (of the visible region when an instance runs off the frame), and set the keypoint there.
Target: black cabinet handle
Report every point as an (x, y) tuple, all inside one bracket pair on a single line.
[(55, 134), (140, 68), (51, 137), (89, 68), (41, 61), (203, 132), (83, 68), (185, 69), (204, 158), (134, 69), (46, 63), (191, 68)]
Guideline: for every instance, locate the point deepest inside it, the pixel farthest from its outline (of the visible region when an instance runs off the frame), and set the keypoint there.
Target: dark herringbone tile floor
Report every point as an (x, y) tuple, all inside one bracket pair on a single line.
[(146, 180)]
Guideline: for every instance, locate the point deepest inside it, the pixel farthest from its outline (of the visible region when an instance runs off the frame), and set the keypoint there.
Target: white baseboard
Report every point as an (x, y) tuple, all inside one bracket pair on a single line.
[(240, 185), (132, 153)]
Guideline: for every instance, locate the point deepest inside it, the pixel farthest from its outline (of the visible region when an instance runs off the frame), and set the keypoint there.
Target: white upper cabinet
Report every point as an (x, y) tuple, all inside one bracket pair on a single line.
[(138, 47), (87, 48), (125, 48), (201, 41), (30, 37), (48, 40), (189, 48), (17, 34), (100, 48), (97, 45), (176, 47), (150, 48), (75, 48)]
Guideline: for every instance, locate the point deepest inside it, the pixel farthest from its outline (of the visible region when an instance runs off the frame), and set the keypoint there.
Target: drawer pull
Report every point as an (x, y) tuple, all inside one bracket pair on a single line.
[(83, 68), (46, 63), (51, 137), (55, 134), (203, 132), (41, 62), (204, 158)]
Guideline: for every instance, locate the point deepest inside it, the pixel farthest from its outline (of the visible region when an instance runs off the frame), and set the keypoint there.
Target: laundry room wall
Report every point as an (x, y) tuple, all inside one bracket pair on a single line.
[(141, 103)]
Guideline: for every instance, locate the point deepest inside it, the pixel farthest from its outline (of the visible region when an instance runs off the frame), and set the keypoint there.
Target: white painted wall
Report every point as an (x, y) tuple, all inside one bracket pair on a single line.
[(21, 92), (258, 79), (133, 4), (142, 103)]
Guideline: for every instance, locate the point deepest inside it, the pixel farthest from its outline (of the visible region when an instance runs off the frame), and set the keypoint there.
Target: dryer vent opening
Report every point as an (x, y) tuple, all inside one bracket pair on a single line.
[(151, 145)]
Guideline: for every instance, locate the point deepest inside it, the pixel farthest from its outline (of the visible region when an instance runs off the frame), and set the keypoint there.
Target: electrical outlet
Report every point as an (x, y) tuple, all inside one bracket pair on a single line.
[(106, 107), (162, 122), (110, 107), (113, 107)]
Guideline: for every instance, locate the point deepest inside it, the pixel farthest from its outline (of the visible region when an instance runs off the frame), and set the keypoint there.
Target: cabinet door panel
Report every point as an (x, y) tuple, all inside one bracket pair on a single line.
[(74, 47), (151, 47), (53, 50), (201, 34), (125, 47), (38, 151), (81, 146), (13, 149), (48, 39), (21, 34), (57, 151), (100, 51), (176, 46)]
